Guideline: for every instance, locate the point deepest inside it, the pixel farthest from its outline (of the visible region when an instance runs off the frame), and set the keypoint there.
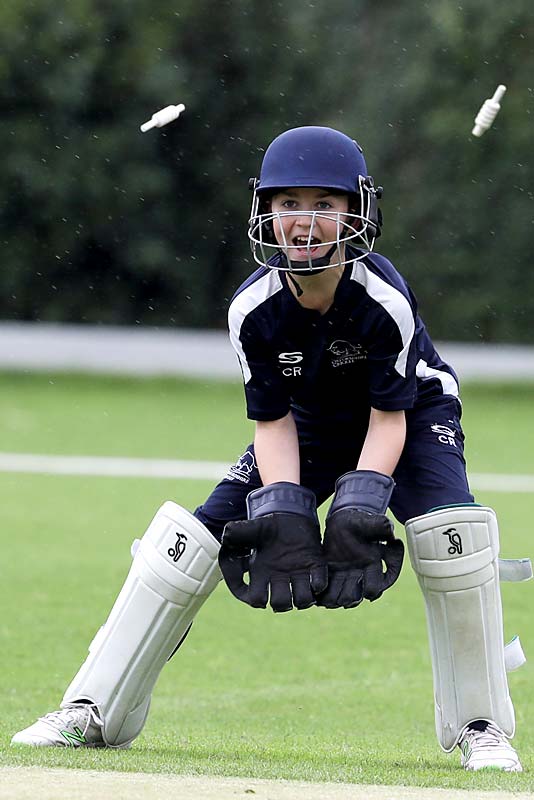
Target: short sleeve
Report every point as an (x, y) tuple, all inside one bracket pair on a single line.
[(389, 333), (267, 397), (391, 364)]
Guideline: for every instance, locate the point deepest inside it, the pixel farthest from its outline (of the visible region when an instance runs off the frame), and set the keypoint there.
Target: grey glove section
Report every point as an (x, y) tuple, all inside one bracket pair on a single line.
[(282, 497), (364, 490)]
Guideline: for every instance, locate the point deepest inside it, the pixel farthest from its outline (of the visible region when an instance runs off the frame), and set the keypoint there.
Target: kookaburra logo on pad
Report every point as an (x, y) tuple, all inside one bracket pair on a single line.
[(455, 540), (178, 550)]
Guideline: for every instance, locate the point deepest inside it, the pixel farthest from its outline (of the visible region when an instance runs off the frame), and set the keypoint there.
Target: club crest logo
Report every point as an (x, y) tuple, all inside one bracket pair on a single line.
[(243, 468), (343, 352), (455, 541)]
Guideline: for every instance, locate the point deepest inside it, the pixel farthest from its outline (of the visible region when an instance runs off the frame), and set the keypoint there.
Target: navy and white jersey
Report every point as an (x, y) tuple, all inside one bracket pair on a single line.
[(370, 349)]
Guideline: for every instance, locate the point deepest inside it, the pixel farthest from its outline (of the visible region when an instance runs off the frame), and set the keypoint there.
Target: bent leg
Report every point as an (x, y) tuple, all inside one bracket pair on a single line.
[(431, 471), (453, 546), (454, 553), (173, 572)]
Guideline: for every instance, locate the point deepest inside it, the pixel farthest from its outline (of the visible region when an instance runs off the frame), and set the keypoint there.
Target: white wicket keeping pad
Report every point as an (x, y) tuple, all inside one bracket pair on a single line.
[(454, 552), (174, 570)]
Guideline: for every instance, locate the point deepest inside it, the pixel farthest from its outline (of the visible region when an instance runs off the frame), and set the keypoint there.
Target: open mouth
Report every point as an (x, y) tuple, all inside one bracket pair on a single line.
[(305, 245)]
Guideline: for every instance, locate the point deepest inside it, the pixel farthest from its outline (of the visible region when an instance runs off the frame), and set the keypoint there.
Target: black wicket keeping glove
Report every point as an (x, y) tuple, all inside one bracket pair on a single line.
[(279, 545), (358, 538)]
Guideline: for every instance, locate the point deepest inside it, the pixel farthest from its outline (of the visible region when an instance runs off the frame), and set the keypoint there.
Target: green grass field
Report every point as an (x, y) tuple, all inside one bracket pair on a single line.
[(313, 695)]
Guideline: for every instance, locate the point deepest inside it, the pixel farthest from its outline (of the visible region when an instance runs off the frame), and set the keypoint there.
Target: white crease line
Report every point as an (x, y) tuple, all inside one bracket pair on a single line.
[(487, 481), (194, 470), (112, 467)]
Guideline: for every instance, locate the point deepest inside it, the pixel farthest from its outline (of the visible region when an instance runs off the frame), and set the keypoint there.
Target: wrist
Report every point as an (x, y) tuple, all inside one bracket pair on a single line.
[(282, 497), (364, 490)]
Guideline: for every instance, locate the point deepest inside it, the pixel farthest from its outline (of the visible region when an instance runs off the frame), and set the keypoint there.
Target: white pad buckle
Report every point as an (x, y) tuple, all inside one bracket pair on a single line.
[(454, 552), (514, 657), (174, 570)]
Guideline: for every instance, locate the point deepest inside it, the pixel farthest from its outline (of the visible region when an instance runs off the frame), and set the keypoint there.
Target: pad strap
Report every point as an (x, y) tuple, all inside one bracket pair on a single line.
[(515, 569), (514, 657)]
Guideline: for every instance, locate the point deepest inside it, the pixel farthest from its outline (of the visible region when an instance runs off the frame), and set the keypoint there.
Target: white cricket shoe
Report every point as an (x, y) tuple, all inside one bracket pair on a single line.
[(489, 748), (76, 725)]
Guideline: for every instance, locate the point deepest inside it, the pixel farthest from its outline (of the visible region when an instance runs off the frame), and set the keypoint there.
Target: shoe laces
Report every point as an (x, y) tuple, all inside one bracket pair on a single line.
[(491, 737), (71, 713)]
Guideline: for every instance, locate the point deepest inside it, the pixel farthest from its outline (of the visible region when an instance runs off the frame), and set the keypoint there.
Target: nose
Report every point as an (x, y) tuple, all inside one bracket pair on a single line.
[(303, 220)]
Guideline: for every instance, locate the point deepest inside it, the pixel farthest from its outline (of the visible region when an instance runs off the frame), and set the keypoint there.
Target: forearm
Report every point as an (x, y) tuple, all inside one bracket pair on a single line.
[(277, 450), (384, 442)]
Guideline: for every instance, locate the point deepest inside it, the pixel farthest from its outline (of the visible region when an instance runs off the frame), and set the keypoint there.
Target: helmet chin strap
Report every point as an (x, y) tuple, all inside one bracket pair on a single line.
[(298, 288)]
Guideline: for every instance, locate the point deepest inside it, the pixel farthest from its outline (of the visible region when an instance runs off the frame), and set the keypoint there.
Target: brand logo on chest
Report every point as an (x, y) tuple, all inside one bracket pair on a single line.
[(291, 358)]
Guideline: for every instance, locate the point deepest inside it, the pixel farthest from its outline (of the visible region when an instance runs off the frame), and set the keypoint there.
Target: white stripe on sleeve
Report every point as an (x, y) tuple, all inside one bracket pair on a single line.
[(447, 380), (245, 302), (394, 303)]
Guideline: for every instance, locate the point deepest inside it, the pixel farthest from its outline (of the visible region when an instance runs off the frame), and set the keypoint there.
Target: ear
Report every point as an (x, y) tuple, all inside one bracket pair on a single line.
[(265, 205), (355, 204)]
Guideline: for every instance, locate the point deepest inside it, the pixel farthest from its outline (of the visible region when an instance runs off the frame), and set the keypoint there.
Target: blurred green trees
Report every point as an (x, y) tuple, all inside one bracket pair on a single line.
[(101, 223)]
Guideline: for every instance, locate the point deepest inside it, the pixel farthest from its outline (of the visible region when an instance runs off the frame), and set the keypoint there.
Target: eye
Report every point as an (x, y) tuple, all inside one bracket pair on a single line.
[(289, 203), (323, 205)]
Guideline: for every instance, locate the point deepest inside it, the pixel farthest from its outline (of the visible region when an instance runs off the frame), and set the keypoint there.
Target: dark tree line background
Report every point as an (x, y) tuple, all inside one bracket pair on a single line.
[(100, 223)]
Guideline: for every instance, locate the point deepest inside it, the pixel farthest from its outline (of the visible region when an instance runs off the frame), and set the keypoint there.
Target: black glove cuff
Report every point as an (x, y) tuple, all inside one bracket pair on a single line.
[(282, 497), (364, 490)]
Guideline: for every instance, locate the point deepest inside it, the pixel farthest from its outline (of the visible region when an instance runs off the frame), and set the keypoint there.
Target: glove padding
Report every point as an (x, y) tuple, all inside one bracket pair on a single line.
[(281, 551), (355, 545), (358, 538)]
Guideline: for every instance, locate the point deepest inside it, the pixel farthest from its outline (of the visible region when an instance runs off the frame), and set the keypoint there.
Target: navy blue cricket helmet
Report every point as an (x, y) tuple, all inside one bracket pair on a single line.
[(314, 156)]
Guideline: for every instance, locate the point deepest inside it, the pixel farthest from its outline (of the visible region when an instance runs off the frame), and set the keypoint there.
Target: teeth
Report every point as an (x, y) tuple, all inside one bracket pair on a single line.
[(304, 240)]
